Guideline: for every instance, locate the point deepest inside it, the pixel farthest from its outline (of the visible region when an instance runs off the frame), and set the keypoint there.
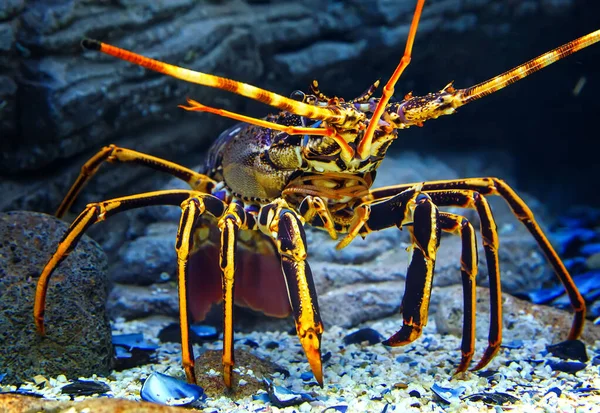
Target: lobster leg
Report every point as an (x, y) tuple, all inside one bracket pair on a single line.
[(495, 186), (229, 226), (193, 204), (425, 234), (489, 235), (468, 268), (465, 199), (114, 153), (93, 213), (284, 225)]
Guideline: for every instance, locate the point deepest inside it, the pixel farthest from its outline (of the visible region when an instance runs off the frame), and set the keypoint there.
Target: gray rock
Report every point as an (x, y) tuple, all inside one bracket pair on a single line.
[(148, 259), (522, 319), (78, 337), (132, 301)]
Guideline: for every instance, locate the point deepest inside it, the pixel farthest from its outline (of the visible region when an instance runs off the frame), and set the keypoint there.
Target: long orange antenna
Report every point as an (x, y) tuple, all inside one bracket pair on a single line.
[(243, 89), (364, 147), (511, 76)]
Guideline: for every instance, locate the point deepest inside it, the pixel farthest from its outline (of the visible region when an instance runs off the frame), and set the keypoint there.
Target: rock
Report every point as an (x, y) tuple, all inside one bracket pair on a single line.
[(78, 340), (248, 367), (148, 259), (132, 301), (522, 319), (16, 403)]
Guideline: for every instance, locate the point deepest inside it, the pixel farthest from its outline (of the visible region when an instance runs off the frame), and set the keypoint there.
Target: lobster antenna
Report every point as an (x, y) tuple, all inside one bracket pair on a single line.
[(511, 76), (217, 82), (364, 147)]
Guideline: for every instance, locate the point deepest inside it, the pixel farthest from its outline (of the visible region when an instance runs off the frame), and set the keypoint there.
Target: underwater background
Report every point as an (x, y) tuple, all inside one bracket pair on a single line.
[(60, 104)]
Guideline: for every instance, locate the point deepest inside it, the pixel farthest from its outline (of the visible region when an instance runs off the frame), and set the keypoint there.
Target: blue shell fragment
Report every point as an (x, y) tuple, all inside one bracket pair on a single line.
[(198, 333), (544, 295), (494, 399), (569, 350), (85, 388), (204, 331), (590, 249), (514, 344), (263, 397), (251, 343), (340, 408), (307, 375), (131, 351), (567, 366), (282, 397), (163, 389), (447, 394), (364, 334), (131, 341), (572, 240), (554, 390)]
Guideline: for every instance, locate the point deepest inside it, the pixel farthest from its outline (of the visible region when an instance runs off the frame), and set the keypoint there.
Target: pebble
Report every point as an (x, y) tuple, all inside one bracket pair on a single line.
[(362, 379)]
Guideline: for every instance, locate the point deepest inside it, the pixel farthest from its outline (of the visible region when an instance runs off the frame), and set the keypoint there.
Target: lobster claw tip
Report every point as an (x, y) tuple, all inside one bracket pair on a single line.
[(311, 343)]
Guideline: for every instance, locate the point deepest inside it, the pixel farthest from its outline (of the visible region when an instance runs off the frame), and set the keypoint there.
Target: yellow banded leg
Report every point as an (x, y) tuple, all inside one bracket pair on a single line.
[(115, 154), (285, 227), (93, 213), (191, 210), (459, 225), (229, 226), (425, 235)]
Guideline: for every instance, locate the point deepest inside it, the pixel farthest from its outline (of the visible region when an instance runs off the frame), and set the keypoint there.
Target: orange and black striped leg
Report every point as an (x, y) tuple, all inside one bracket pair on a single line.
[(114, 154), (495, 186), (489, 235), (425, 234), (459, 225), (285, 227), (191, 210), (93, 213), (229, 226)]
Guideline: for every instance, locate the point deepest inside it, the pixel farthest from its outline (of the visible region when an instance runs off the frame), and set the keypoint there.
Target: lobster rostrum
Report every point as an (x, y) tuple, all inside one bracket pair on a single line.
[(314, 163)]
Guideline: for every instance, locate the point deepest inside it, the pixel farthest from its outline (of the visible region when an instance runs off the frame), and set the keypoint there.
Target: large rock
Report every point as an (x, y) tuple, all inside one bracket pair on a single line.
[(78, 337)]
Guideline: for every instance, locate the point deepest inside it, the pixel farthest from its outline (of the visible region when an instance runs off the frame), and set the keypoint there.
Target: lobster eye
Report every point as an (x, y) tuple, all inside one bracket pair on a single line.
[(298, 95)]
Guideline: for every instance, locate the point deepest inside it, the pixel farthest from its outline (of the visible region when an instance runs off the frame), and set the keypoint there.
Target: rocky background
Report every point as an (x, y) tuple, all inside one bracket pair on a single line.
[(59, 105)]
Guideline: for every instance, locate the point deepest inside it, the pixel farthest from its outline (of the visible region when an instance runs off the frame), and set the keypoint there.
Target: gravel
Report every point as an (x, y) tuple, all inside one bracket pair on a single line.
[(373, 378)]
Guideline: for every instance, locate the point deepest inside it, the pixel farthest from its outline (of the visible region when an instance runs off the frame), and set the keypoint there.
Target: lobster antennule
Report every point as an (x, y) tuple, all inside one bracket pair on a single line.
[(217, 82), (511, 76)]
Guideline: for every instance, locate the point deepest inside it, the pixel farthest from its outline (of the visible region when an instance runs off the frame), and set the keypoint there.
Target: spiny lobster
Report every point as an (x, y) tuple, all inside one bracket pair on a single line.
[(314, 163)]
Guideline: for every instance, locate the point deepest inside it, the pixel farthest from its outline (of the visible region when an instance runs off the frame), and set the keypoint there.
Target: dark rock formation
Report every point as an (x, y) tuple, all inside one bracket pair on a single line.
[(78, 339), (59, 104)]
